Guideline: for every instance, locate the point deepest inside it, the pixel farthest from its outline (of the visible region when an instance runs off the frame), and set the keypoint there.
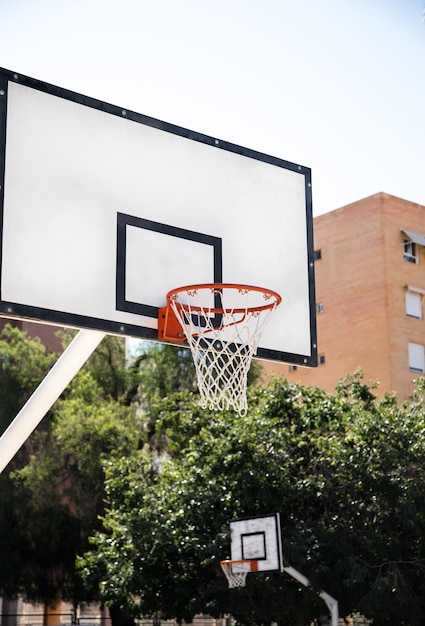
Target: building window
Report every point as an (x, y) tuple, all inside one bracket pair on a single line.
[(321, 359), (410, 251), (317, 255), (414, 300), (416, 357), (320, 307), (411, 244)]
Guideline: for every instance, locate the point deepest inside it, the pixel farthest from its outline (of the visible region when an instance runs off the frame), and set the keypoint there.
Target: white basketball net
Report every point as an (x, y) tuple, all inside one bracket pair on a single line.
[(235, 572), (223, 334)]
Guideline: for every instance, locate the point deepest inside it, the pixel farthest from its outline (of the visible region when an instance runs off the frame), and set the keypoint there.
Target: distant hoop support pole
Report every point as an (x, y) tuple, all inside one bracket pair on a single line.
[(236, 571), (222, 324)]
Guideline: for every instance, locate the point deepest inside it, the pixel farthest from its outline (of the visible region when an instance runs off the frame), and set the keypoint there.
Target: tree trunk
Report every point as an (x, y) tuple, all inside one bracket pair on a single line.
[(119, 618), (52, 613)]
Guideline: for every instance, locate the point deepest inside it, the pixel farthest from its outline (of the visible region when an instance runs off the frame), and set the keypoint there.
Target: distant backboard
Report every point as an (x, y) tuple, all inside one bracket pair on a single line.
[(259, 539), (104, 210)]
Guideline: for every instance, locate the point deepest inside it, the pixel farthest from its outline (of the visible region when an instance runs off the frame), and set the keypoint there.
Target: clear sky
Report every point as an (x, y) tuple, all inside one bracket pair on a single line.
[(336, 85)]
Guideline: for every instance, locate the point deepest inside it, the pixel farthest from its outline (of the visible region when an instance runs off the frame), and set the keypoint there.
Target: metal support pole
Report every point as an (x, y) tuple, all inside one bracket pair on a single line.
[(331, 603), (46, 394)]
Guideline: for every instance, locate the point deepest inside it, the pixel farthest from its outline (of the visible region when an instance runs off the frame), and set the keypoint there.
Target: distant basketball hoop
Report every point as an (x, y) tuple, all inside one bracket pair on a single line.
[(222, 324), (237, 571)]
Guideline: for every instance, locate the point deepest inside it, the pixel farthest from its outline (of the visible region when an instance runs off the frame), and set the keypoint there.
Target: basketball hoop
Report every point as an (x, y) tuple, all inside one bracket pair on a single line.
[(222, 324), (237, 571)]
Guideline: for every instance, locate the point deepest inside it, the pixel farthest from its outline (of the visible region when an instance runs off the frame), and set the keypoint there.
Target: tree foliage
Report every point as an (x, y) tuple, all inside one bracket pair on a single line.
[(52, 493), (23, 364), (346, 473)]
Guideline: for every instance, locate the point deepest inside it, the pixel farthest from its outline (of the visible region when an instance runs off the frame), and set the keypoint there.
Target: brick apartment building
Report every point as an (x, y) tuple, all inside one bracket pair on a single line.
[(46, 332), (370, 288)]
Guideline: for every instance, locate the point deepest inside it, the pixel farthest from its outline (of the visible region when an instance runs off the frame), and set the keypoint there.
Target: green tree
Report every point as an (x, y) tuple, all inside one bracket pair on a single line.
[(346, 473), (23, 364), (163, 370), (52, 494), (166, 373)]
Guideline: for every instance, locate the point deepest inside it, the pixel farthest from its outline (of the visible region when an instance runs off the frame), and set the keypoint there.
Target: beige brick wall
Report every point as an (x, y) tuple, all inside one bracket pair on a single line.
[(361, 280)]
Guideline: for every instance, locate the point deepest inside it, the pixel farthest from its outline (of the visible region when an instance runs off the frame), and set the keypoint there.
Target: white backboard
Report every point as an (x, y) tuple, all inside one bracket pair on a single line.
[(104, 210), (259, 539)]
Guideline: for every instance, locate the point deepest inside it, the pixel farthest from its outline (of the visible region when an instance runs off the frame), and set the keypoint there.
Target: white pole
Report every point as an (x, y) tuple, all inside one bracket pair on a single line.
[(331, 603), (46, 394)]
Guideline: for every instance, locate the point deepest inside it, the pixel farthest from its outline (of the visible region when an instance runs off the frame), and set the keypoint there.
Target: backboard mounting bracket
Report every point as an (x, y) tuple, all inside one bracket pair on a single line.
[(169, 327)]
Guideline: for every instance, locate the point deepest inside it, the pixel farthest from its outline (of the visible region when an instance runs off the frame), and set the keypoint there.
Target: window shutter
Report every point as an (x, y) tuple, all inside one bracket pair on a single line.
[(416, 357), (414, 304)]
